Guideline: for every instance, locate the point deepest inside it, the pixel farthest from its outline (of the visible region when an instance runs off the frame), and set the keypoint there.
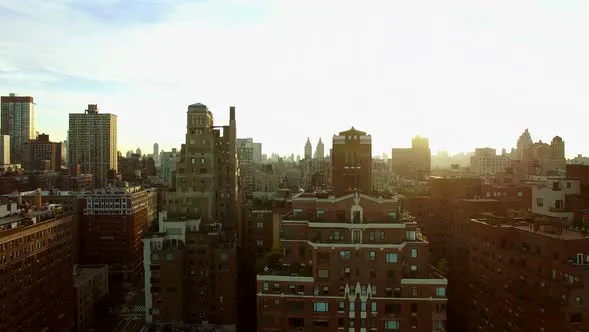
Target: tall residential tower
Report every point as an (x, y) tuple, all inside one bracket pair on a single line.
[(190, 263), (93, 143), (18, 121)]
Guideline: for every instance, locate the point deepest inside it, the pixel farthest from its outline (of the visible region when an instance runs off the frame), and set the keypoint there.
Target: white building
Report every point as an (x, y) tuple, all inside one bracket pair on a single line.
[(549, 195), (486, 162), (4, 150)]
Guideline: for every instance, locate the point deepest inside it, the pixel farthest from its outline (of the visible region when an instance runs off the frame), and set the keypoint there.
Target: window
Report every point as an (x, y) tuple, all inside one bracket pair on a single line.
[(202, 161), (260, 225), (260, 242), (344, 255), (336, 235), (391, 325), (352, 306), (413, 268), (372, 256), (441, 291), (363, 306), (356, 217), (372, 273), (559, 204), (357, 236), (578, 300), (391, 258), (413, 252), (539, 201), (411, 235), (440, 307), (568, 185), (373, 307), (323, 273), (266, 286), (392, 216), (376, 236), (341, 306)]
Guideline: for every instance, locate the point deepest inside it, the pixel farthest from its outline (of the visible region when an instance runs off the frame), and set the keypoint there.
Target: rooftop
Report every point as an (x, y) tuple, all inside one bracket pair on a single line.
[(543, 226), (289, 270), (85, 273)]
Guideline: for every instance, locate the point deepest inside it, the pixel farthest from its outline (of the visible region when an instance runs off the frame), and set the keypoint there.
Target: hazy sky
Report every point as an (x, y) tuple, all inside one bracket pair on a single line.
[(464, 73)]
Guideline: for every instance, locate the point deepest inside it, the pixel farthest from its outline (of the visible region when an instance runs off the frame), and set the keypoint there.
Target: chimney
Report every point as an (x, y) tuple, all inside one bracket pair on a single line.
[(232, 113)]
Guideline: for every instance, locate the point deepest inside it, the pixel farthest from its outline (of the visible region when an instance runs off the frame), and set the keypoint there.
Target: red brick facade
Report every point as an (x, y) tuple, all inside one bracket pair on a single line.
[(350, 262)]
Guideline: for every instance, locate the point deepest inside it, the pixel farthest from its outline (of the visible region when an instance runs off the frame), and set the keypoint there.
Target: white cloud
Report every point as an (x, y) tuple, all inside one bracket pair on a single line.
[(465, 73)]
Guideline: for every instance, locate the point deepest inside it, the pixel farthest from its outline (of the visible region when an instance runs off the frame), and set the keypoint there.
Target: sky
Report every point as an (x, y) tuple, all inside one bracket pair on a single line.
[(466, 74)]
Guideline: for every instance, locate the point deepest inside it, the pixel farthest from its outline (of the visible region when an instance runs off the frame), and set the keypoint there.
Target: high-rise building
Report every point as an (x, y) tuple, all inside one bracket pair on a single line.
[(320, 150), (350, 263), (138, 152), (351, 158), (4, 150), (36, 268), (18, 121), (308, 149), (156, 153), (42, 154), (113, 224), (245, 156), (190, 262), (93, 143)]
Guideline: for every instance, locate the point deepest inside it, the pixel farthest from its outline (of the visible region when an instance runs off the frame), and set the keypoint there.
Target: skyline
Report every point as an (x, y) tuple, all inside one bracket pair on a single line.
[(479, 69)]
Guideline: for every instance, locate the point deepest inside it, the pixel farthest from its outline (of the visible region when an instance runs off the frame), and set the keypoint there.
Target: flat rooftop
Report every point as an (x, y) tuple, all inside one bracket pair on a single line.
[(84, 273), (540, 227), (289, 270)]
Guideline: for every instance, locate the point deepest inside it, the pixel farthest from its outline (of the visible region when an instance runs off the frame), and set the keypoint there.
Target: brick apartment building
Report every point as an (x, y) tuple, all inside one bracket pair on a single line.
[(520, 275), (351, 162), (190, 274), (42, 154), (190, 262), (36, 279), (113, 224), (440, 216), (354, 262)]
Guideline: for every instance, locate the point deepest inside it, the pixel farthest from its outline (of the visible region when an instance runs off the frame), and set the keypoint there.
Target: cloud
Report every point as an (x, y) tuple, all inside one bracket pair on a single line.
[(306, 68)]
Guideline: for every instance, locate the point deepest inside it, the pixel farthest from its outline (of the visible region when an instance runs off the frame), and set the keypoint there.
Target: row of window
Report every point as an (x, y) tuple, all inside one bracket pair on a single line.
[(324, 290)]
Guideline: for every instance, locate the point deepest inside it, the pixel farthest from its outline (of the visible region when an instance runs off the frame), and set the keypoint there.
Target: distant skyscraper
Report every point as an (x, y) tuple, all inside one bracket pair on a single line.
[(4, 150), (308, 149), (18, 121), (156, 152), (320, 150), (138, 152), (93, 143)]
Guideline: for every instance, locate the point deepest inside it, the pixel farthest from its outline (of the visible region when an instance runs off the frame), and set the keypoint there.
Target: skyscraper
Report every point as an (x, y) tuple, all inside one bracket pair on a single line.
[(194, 251), (308, 149), (93, 143), (156, 152), (18, 121), (320, 150)]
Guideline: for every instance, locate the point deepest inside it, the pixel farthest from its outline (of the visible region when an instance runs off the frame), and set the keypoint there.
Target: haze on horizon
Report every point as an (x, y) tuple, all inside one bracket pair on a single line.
[(464, 74)]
